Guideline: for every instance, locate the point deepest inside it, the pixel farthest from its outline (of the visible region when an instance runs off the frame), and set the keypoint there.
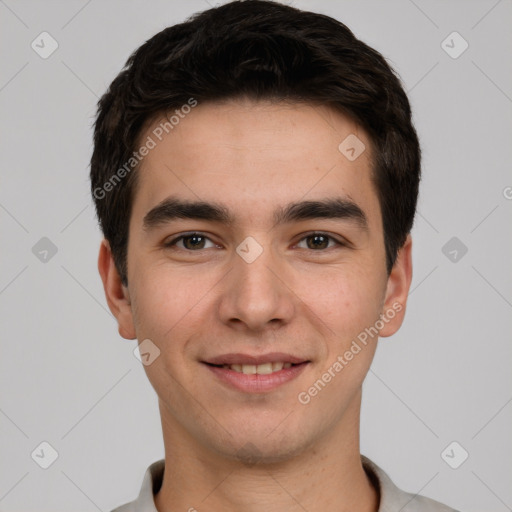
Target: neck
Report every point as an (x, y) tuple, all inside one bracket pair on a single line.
[(327, 476)]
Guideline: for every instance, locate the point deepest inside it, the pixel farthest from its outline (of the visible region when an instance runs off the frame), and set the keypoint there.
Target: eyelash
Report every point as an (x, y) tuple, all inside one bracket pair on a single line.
[(174, 241)]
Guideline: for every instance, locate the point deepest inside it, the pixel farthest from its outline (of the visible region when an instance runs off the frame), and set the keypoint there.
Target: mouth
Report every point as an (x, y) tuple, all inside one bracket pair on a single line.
[(256, 369), (256, 374)]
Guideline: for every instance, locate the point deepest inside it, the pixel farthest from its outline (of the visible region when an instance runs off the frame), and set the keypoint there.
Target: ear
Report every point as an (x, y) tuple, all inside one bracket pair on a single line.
[(117, 295), (399, 282)]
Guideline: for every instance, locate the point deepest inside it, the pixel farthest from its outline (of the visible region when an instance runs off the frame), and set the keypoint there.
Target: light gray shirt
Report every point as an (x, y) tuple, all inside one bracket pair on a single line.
[(392, 499)]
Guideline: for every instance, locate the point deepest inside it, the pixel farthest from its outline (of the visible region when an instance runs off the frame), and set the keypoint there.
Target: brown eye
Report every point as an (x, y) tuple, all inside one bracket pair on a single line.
[(319, 241), (191, 242)]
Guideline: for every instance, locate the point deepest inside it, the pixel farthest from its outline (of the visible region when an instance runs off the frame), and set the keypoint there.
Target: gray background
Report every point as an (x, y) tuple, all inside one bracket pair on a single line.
[(67, 378)]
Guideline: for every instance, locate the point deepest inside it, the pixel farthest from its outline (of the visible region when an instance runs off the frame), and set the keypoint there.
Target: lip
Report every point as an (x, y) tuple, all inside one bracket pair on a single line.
[(256, 383), (272, 357)]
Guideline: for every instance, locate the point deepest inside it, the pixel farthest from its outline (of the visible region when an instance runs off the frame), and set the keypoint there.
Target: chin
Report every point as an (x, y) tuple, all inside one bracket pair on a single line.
[(266, 437), (254, 450)]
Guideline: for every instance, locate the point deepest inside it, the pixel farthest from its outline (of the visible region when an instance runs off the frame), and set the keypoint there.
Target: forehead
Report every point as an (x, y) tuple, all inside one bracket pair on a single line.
[(253, 156)]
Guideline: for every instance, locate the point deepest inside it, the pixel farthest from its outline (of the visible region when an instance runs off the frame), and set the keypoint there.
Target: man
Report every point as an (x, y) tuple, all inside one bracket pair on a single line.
[(255, 173)]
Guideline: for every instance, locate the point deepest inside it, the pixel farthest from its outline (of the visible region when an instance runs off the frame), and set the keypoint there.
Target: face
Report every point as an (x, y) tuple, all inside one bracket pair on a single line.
[(257, 275)]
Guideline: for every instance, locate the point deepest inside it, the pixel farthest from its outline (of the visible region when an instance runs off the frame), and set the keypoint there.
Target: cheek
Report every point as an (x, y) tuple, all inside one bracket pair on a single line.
[(163, 302), (168, 310), (346, 302)]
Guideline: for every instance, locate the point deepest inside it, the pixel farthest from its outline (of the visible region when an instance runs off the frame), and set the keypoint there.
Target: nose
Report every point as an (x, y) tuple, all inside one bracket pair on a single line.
[(255, 295)]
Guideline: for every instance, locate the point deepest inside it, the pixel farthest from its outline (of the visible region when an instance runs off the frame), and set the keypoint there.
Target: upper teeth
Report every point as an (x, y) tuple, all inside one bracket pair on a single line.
[(260, 369)]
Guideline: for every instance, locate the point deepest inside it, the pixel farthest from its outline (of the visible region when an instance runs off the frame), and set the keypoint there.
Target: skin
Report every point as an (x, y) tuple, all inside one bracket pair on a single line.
[(226, 450)]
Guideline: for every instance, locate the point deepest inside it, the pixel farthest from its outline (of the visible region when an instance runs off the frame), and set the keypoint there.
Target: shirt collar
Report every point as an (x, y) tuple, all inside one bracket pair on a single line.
[(391, 497)]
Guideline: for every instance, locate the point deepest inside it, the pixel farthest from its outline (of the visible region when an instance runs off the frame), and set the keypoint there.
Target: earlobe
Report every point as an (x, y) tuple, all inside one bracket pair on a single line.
[(399, 282), (117, 295)]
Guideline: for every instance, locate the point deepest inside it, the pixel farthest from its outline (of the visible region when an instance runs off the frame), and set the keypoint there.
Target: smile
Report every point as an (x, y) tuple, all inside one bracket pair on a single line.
[(256, 378), (260, 369)]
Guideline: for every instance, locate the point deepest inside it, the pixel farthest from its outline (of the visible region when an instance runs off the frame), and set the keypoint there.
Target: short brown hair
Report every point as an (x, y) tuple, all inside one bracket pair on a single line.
[(261, 50)]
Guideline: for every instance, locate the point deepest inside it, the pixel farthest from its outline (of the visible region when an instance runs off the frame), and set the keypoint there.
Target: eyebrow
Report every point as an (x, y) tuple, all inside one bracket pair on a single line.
[(334, 208), (173, 208)]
